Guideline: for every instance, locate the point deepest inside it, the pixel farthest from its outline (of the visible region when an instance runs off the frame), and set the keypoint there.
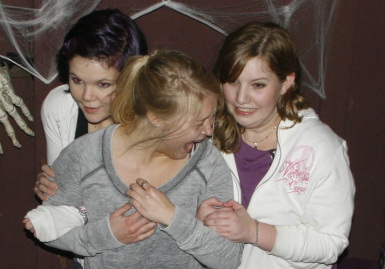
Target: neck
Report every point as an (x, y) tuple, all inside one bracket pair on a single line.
[(138, 143), (260, 131), (264, 137), (92, 127), (134, 159)]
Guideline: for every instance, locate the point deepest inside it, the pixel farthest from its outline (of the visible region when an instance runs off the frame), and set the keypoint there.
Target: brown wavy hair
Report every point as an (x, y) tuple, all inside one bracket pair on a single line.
[(274, 45)]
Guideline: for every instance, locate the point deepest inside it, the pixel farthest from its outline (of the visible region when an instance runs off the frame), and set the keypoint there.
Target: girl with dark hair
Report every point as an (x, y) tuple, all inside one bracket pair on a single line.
[(88, 62)]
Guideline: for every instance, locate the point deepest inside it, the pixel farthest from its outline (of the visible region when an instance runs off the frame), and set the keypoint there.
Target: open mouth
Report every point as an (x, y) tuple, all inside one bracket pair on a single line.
[(189, 147)]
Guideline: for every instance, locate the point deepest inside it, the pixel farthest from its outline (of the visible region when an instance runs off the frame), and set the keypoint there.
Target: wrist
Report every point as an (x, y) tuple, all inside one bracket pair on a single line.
[(169, 218), (256, 234)]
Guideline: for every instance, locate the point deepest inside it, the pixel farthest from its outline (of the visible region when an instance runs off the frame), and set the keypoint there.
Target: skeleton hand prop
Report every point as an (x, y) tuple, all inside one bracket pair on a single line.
[(8, 101)]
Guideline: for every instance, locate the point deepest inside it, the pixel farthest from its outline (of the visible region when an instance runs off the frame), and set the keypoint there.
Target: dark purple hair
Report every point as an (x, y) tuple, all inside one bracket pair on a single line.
[(103, 34)]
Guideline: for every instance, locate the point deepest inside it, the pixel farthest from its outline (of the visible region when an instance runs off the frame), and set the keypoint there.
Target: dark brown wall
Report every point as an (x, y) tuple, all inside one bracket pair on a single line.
[(354, 108), (354, 89), (17, 169)]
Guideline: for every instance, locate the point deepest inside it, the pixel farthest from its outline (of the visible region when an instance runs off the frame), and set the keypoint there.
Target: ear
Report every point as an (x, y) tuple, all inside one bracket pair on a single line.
[(289, 81), (153, 119)]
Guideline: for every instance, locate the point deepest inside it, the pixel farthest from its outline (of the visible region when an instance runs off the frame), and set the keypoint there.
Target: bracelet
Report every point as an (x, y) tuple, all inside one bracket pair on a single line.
[(256, 234), (83, 213)]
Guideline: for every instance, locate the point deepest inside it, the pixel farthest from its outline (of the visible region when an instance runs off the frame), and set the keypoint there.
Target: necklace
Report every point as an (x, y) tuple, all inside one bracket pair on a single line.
[(257, 142)]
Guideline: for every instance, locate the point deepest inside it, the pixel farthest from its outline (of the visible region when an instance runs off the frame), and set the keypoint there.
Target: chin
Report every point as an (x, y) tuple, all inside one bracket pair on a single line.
[(180, 156), (94, 120)]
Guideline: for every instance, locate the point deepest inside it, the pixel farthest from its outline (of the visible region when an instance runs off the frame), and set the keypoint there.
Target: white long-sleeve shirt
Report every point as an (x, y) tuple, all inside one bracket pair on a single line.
[(59, 114)]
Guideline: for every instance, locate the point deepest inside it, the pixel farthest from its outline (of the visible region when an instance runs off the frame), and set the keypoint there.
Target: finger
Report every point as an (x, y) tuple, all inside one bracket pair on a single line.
[(48, 170), (232, 204), (142, 182), (27, 224), (218, 223), (146, 225), (48, 183), (141, 222), (212, 202), (151, 225), (40, 194), (121, 210), (216, 215), (44, 190), (36, 188), (137, 217), (130, 190), (41, 175), (224, 209), (45, 186), (148, 233), (135, 191)]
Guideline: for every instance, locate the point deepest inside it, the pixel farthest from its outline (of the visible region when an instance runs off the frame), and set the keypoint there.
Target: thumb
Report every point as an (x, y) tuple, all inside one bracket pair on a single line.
[(121, 210), (212, 202), (232, 204)]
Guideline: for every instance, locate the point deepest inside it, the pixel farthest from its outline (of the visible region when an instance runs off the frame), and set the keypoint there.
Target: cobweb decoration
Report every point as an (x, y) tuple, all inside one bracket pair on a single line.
[(23, 26), (309, 21)]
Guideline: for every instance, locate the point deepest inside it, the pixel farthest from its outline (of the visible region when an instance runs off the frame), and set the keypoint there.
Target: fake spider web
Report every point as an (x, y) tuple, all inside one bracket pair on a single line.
[(308, 21)]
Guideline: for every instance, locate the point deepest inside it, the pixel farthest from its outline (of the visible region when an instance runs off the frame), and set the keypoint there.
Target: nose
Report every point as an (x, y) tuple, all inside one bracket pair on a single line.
[(208, 126), (241, 95), (88, 93)]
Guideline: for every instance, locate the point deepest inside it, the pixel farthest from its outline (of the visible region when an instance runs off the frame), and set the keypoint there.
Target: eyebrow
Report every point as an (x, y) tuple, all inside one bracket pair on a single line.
[(261, 78), (104, 79), (205, 118)]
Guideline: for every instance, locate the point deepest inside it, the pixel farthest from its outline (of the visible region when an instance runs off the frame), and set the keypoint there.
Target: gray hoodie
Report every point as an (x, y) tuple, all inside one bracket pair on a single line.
[(86, 176)]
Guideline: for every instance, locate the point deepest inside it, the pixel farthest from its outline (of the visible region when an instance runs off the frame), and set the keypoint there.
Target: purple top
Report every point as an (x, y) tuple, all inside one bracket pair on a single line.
[(252, 165)]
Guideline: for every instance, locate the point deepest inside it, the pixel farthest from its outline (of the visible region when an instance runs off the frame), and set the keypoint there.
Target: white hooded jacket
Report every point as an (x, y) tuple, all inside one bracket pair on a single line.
[(308, 194)]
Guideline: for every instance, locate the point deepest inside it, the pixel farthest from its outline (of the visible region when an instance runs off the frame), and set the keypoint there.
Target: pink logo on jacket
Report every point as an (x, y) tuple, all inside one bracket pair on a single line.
[(296, 169)]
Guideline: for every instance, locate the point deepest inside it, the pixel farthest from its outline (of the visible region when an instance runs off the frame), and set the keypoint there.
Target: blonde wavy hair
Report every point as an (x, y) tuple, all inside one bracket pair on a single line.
[(274, 45), (169, 84)]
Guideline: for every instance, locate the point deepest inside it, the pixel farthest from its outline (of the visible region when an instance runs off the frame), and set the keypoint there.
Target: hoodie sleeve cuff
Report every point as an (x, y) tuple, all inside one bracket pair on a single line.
[(181, 226), (101, 236)]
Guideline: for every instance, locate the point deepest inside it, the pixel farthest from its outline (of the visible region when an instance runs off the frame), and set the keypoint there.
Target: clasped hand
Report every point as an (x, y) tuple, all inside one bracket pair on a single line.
[(150, 202), (229, 219), (152, 207), (132, 228)]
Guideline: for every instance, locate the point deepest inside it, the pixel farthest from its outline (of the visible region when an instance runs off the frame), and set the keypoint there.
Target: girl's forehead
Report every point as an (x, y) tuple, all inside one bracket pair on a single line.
[(204, 110), (93, 70), (255, 68)]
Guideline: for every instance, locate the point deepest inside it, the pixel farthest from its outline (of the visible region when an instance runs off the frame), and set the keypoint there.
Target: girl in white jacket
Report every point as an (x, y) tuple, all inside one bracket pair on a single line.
[(294, 190)]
